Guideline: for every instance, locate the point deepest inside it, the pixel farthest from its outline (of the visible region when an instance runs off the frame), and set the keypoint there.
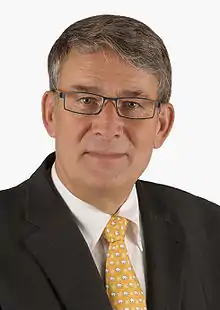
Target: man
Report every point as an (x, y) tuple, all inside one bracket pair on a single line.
[(84, 232)]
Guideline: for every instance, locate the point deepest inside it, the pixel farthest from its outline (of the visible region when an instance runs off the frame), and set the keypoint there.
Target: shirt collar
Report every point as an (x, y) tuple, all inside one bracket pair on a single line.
[(92, 221)]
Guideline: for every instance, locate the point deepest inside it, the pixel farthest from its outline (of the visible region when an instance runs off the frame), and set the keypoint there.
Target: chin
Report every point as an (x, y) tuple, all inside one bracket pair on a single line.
[(104, 181)]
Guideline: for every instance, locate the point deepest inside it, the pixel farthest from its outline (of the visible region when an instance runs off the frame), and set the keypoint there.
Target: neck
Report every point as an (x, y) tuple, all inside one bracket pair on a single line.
[(108, 200)]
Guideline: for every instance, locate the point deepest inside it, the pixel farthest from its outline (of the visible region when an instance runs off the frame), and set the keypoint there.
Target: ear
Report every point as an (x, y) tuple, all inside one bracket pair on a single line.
[(48, 109), (165, 120)]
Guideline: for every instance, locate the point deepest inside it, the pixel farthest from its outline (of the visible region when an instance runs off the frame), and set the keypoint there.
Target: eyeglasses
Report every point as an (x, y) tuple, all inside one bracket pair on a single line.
[(92, 104)]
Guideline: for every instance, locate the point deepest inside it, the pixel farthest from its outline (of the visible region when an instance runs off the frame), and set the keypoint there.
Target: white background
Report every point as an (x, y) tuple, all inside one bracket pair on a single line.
[(190, 29)]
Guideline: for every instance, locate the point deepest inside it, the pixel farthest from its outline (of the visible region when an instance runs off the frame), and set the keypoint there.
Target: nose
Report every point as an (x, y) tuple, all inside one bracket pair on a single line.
[(108, 123)]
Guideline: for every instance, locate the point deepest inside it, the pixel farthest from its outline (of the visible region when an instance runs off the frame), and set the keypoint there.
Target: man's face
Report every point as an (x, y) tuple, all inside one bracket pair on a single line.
[(105, 150)]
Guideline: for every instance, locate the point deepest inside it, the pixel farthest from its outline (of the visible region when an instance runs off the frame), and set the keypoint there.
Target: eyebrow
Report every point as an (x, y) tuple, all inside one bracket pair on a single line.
[(97, 90)]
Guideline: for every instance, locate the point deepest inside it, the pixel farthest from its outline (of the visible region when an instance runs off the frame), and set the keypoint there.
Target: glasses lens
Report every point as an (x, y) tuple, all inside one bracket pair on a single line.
[(136, 107), (83, 103)]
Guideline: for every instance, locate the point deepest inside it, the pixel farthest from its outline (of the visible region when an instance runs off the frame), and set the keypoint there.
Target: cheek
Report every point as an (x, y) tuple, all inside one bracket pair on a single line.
[(143, 137), (143, 145), (70, 130), (64, 130), (145, 149)]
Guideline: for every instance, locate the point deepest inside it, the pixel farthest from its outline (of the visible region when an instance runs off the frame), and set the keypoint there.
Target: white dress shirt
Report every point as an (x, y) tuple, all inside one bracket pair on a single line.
[(92, 221)]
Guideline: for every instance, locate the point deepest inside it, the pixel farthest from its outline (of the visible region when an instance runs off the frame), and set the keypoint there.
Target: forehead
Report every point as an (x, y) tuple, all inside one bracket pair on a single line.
[(106, 71)]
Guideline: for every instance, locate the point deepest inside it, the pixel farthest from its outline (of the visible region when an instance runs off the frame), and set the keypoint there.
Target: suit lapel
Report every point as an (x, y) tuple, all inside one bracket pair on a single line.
[(60, 249), (164, 241)]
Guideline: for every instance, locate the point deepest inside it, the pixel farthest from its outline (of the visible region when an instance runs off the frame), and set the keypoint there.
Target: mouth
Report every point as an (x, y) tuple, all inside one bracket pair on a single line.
[(101, 155)]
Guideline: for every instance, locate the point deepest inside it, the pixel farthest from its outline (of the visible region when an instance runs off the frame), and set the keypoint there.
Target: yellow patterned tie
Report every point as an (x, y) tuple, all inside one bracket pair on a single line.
[(123, 288)]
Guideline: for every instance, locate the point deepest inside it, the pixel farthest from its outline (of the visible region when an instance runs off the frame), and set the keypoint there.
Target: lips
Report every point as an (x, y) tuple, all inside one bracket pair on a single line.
[(105, 155)]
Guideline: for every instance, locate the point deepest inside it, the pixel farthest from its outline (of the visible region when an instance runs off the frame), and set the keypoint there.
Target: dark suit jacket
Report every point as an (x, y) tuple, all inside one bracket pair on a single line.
[(45, 263)]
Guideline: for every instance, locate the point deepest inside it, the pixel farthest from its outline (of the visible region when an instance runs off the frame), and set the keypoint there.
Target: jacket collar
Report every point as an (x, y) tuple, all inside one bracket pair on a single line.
[(63, 254)]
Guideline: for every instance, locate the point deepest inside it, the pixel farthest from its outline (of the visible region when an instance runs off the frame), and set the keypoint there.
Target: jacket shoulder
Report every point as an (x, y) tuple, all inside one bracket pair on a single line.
[(198, 217), (12, 201), (179, 200)]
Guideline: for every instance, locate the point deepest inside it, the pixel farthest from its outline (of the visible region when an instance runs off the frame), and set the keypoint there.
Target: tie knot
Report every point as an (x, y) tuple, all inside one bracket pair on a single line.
[(115, 229)]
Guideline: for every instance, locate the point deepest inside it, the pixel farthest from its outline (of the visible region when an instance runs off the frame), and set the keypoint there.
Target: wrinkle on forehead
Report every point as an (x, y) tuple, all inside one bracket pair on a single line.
[(107, 70)]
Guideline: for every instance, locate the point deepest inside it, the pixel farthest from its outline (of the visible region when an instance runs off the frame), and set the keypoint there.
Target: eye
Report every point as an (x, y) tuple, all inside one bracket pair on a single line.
[(131, 104), (88, 100)]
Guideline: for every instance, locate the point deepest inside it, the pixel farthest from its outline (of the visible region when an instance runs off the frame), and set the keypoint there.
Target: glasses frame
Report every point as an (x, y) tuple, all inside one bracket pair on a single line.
[(63, 94)]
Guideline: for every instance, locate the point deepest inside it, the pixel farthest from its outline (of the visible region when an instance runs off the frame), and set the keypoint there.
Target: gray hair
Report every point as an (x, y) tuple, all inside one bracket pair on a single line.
[(134, 41)]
